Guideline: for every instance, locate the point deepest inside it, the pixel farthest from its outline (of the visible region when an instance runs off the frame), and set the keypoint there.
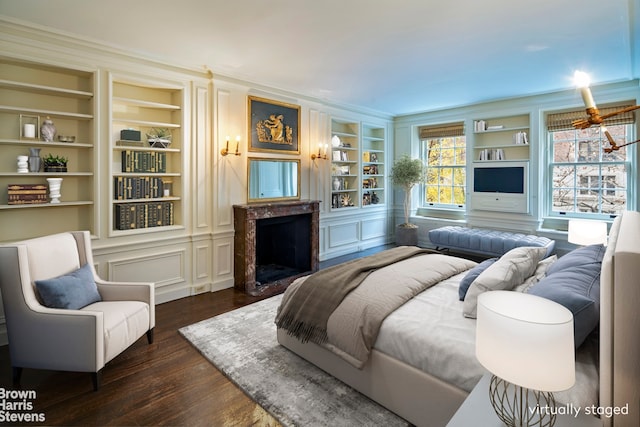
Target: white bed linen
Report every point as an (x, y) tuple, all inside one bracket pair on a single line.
[(430, 333)]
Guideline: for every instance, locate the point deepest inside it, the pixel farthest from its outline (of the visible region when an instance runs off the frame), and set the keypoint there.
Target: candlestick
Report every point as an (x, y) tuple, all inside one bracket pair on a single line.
[(225, 150), (587, 97), (238, 145), (582, 81), (320, 155)]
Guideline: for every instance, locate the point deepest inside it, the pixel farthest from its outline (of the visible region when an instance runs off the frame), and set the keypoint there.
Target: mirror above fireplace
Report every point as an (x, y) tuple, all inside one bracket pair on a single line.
[(273, 179)]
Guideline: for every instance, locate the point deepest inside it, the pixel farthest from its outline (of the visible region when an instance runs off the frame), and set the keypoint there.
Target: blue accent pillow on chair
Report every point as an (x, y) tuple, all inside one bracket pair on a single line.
[(72, 291)]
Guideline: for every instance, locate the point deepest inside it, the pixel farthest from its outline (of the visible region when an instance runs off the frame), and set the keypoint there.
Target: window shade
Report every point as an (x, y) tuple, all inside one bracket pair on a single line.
[(442, 131), (562, 121)]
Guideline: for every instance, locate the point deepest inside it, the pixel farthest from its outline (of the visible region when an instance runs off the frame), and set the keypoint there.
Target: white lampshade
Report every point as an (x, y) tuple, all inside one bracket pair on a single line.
[(587, 232), (526, 340)]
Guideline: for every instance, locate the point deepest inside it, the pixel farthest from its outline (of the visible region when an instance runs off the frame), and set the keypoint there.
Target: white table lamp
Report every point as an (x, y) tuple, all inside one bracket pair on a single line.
[(526, 342), (587, 232)]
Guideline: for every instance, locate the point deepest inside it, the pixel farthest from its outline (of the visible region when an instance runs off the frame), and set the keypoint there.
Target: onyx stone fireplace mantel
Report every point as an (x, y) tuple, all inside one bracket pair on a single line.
[(274, 244)]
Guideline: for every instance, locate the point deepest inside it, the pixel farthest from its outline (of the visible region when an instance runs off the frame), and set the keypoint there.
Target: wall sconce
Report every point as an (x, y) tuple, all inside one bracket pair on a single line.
[(582, 81), (225, 151), (322, 154)]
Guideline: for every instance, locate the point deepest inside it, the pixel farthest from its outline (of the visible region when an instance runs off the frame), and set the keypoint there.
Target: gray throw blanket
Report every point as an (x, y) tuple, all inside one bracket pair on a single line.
[(306, 313)]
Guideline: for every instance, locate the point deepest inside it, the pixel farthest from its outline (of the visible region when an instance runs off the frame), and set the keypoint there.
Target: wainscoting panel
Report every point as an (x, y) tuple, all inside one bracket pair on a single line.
[(201, 159), (222, 202), (344, 234), (202, 255), (164, 269), (375, 227), (222, 263)]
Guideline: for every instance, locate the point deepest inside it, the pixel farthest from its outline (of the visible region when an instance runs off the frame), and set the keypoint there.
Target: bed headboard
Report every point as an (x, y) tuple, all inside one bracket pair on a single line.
[(620, 321)]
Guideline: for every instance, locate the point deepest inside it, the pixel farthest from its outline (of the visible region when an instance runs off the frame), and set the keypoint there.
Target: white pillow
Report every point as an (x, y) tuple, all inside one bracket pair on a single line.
[(541, 271), (505, 274)]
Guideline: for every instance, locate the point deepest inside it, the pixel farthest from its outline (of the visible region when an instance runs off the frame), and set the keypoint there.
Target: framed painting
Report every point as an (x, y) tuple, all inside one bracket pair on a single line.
[(273, 126)]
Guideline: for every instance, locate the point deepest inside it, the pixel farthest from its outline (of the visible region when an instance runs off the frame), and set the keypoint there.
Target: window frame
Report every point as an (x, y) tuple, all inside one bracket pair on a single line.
[(628, 163), (424, 156)]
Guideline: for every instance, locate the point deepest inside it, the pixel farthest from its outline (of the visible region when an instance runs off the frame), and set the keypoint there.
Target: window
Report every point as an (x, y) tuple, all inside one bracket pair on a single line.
[(444, 152), (586, 181)]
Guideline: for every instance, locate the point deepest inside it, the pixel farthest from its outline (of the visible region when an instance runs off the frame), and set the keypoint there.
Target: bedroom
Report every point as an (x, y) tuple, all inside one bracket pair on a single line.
[(200, 261)]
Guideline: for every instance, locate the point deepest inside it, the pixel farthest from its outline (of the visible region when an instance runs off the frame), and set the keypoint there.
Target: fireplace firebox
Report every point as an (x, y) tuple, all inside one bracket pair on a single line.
[(275, 243)]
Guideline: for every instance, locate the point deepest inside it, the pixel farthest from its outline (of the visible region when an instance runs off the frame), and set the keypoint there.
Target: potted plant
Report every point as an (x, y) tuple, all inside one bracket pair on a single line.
[(55, 163), (407, 172)]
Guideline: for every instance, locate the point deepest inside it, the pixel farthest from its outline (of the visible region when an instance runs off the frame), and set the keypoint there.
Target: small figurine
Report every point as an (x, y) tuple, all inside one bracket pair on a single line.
[(47, 130)]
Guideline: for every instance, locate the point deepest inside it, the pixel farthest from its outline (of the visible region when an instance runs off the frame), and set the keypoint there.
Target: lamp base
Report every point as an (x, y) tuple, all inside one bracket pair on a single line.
[(519, 407)]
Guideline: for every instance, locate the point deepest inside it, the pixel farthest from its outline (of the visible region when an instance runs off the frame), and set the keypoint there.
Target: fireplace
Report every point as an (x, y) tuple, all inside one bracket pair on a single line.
[(275, 243)]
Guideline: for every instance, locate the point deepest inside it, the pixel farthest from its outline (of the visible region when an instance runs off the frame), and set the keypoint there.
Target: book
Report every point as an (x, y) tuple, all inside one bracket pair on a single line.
[(129, 216), (20, 194)]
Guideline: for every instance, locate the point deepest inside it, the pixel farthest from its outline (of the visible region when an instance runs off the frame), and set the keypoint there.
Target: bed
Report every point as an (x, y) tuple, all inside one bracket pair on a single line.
[(608, 372)]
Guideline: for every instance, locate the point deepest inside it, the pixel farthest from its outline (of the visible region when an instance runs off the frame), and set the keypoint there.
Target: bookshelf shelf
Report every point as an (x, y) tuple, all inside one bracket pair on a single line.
[(141, 173), (501, 138), (66, 96)]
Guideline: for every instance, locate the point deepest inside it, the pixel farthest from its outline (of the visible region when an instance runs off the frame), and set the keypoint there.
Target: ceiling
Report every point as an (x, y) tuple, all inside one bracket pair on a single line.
[(390, 56)]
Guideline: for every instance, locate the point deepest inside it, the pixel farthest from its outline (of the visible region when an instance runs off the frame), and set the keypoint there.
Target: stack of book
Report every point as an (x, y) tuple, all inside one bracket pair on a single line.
[(520, 138), (130, 216), (133, 187), (23, 194), (143, 161)]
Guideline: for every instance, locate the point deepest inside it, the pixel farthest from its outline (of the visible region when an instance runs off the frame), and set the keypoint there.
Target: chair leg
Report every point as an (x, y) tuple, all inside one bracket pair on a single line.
[(150, 336), (96, 378), (17, 374)]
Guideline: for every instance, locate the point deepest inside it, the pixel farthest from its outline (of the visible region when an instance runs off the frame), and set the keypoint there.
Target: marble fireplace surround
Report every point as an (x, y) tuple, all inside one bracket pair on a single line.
[(274, 244)]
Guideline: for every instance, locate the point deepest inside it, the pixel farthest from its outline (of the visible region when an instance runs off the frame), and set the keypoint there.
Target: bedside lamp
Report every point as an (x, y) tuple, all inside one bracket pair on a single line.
[(586, 232), (526, 342)]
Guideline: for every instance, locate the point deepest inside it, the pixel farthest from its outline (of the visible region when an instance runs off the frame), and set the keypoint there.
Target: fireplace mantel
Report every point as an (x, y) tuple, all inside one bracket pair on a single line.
[(296, 224)]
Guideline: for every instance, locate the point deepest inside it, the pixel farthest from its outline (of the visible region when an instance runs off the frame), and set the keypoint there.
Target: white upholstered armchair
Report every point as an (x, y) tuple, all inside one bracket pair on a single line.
[(68, 339)]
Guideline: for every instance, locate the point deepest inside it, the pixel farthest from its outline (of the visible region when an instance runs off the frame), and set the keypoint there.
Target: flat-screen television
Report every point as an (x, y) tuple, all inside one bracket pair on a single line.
[(501, 186), (498, 179)]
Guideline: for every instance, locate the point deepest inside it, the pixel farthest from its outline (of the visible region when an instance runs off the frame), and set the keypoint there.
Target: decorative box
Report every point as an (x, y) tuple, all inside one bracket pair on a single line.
[(130, 135)]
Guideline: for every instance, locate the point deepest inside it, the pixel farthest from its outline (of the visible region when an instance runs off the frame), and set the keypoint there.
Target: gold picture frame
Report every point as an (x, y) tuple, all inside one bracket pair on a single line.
[(273, 126)]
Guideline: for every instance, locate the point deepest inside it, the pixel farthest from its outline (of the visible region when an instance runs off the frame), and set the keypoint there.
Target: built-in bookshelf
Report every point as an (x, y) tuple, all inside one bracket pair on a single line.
[(31, 93), (146, 164), (345, 164), (358, 174), (501, 138), (373, 165)]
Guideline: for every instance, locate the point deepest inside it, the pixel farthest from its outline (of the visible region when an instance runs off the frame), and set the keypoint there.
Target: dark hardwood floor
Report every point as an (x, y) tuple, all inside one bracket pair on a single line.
[(166, 383)]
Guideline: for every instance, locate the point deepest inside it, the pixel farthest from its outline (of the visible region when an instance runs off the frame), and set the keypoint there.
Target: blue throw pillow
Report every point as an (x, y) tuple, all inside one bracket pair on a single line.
[(578, 257), (576, 285), (472, 275), (72, 291)]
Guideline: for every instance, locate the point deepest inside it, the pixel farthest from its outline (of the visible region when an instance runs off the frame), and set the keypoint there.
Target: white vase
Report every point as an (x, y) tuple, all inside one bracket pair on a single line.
[(54, 189), (336, 184), (23, 164)]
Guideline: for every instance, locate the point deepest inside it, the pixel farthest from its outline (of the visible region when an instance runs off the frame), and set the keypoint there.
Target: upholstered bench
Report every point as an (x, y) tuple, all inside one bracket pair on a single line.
[(483, 241)]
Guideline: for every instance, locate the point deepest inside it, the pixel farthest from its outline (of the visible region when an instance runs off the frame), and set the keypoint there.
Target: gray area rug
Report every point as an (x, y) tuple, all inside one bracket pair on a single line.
[(242, 344)]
